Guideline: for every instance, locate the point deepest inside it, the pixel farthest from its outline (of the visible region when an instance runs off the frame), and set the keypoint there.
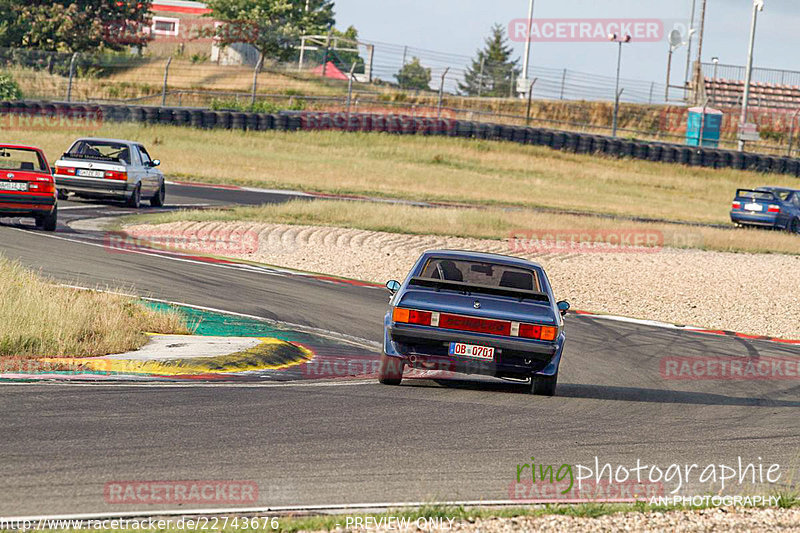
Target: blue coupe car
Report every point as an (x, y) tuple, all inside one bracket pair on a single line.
[(474, 313), (770, 207)]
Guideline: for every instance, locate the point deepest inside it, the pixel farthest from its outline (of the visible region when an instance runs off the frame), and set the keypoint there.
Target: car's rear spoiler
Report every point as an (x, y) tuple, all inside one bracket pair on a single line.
[(755, 191), (471, 287)]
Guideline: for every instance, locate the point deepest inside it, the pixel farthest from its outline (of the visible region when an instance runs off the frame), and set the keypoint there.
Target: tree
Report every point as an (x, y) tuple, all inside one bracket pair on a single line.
[(73, 26), (273, 27), (493, 70), (414, 76)]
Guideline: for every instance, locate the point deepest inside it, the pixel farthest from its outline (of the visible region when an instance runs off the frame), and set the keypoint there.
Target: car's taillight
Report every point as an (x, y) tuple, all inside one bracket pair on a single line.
[(41, 187), (411, 316), (774, 209), (736, 205), (533, 331), (69, 171), (114, 175)]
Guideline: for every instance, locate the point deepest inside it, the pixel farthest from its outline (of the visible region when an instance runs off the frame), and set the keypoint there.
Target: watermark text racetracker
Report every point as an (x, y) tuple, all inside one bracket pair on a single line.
[(209, 241), (732, 368), (235, 492), (587, 240)]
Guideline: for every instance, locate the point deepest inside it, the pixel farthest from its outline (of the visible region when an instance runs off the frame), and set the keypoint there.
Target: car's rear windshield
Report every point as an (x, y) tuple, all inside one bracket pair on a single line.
[(766, 196), (100, 150), (22, 159), (481, 274)]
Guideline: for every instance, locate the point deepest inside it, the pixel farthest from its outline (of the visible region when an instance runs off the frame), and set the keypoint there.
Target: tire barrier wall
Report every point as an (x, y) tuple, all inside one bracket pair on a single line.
[(53, 114)]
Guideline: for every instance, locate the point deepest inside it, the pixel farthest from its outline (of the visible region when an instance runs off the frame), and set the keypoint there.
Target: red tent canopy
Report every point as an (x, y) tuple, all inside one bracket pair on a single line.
[(330, 72)]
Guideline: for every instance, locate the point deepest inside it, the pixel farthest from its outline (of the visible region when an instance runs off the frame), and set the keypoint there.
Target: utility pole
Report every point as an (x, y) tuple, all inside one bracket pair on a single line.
[(526, 61), (614, 38), (689, 46), (698, 64), (758, 5)]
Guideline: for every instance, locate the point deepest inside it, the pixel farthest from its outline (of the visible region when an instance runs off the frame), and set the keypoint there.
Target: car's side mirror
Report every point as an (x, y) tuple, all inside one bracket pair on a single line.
[(155, 162), (563, 307), (393, 285)]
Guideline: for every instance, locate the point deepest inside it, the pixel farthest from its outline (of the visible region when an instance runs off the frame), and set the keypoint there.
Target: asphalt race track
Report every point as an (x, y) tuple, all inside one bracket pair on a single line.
[(355, 441)]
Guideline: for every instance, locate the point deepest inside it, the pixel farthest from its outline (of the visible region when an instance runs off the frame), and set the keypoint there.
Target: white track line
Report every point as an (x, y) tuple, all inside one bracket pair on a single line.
[(322, 509)]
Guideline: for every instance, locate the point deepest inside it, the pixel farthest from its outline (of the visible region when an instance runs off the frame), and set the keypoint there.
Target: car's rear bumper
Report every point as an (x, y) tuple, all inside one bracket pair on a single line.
[(26, 204), (426, 347), (94, 186), (754, 219)]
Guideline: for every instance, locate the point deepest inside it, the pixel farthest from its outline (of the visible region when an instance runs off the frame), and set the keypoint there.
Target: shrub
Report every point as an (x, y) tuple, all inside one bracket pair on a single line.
[(9, 90)]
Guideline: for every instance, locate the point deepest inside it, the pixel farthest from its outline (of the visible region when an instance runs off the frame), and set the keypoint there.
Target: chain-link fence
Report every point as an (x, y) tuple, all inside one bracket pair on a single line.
[(561, 98)]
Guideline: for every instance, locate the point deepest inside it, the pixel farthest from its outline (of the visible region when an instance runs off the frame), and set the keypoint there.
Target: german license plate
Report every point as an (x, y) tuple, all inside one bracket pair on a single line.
[(13, 186), (472, 350), (753, 207), (90, 173)]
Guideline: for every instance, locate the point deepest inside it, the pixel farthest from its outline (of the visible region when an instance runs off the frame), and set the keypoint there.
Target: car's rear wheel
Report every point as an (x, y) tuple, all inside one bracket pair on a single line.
[(794, 226), (158, 199), (49, 221), (544, 385), (135, 200), (63, 194), (390, 371)]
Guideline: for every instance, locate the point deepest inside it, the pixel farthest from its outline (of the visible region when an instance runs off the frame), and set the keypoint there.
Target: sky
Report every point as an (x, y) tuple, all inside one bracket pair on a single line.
[(460, 26)]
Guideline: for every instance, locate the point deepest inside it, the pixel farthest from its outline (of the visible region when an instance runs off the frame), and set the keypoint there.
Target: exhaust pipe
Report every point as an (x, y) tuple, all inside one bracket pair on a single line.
[(412, 359)]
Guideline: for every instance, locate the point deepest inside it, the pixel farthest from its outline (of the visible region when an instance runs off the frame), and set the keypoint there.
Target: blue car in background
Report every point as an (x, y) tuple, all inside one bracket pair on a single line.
[(474, 313), (769, 207)]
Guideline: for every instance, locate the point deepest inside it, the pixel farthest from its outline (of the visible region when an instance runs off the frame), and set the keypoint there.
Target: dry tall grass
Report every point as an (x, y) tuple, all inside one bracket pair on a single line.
[(40, 319), (492, 223), (430, 168)]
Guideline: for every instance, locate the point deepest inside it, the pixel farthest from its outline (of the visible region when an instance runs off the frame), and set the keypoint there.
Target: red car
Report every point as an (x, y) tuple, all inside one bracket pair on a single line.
[(27, 188)]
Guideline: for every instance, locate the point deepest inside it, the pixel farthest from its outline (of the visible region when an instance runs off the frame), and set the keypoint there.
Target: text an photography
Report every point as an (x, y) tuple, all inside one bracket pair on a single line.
[(647, 482)]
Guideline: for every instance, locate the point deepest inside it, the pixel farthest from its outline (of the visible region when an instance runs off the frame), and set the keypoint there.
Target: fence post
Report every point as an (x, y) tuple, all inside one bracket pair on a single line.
[(302, 54), (71, 75), (791, 133), (350, 91), (563, 82), (164, 89), (441, 94), (480, 78), (530, 96), (616, 113), (371, 49), (259, 64)]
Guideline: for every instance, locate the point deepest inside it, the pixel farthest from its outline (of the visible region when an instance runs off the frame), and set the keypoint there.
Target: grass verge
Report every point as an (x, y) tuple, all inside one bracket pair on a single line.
[(430, 168), (489, 223), (338, 522), (41, 319)]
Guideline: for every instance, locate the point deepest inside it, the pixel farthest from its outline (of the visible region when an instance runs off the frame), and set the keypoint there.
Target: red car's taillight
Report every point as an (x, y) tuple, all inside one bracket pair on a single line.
[(774, 209), (41, 186), (69, 171), (114, 175), (736, 205)]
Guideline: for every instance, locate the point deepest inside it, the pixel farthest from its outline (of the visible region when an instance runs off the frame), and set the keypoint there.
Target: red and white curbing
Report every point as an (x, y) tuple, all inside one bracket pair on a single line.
[(693, 329)]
